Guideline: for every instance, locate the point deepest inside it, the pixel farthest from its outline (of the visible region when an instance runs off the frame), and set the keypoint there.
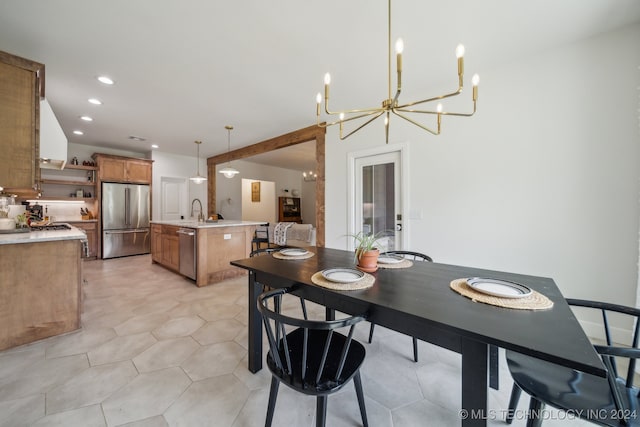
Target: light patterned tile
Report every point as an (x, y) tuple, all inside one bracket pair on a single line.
[(90, 387), (178, 327), (165, 354), (80, 342), (88, 416), (218, 331), (21, 412), (42, 376), (148, 395), (203, 402), (121, 348), (214, 360)]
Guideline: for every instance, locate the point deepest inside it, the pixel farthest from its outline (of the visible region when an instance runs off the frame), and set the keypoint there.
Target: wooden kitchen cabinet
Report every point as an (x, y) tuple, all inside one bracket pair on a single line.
[(156, 243), (21, 87), (123, 169), (40, 290), (91, 230), (165, 246)]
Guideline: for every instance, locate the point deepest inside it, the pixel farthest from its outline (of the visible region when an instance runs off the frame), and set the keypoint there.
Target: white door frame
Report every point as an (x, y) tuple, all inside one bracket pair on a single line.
[(403, 149)]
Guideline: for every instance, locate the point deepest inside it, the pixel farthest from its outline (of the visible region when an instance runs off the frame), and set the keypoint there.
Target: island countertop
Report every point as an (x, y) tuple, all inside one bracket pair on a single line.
[(198, 224), (42, 236)]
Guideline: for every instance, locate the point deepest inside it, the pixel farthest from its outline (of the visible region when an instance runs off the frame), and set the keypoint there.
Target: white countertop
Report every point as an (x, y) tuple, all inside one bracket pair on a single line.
[(187, 223), (42, 236)]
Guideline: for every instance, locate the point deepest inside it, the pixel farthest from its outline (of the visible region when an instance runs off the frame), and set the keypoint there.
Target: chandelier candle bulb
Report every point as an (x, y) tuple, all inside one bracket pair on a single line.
[(399, 49), (327, 82), (475, 80)]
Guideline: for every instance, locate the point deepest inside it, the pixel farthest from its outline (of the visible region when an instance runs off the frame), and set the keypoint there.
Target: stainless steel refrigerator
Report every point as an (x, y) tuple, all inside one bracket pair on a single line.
[(125, 219)]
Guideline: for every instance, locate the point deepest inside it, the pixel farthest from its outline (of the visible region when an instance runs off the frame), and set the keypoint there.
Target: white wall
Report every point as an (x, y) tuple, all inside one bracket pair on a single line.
[(308, 202), (263, 210), (544, 180), (177, 166), (232, 188)]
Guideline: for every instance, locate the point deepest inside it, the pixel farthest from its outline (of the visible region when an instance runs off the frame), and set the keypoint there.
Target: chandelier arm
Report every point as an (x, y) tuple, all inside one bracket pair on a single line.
[(363, 110), (325, 124), (444, 113), (415, 123), (435, 98), (359, 127)]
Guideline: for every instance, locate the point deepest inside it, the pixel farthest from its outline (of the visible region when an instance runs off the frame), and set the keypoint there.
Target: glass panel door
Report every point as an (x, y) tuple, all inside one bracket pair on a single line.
[(378, 198)]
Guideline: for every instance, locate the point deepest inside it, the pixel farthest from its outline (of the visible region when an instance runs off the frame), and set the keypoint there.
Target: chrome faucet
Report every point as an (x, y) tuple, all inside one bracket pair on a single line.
[(200, 214)]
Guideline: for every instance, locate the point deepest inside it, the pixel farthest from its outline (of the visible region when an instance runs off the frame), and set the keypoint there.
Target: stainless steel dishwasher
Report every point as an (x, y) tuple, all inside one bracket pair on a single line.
[(187, 238)]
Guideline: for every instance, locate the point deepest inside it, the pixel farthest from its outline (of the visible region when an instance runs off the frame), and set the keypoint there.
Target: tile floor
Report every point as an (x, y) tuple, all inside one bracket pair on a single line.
[(155, 350)]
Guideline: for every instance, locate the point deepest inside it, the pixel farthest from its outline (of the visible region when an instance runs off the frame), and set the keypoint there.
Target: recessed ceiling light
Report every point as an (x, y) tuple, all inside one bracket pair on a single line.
[(86, 118), (94, 101), (78, 132), (155, 146), (106, 80)]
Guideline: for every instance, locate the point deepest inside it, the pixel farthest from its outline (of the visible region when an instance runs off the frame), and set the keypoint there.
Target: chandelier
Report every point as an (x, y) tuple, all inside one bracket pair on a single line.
[(392, 105), (198, 179), (309, 176), (229, 172)]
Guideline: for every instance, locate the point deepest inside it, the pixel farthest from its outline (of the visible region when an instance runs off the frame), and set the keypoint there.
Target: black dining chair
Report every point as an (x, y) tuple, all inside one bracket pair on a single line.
[(414, 256), (263, 251), (611, 401), (313, 358), (261, 235)]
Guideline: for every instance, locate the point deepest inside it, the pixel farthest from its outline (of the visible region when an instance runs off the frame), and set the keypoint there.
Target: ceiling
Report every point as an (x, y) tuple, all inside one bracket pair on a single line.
[(184, 70)]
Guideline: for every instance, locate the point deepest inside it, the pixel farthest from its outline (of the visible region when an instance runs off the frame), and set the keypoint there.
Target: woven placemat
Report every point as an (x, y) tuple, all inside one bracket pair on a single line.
[(536, 301), (405, 263), (278, 255), (364, 283)]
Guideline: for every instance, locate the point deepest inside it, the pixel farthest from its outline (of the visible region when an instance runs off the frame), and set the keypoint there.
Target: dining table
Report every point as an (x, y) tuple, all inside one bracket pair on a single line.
[(418, 301)]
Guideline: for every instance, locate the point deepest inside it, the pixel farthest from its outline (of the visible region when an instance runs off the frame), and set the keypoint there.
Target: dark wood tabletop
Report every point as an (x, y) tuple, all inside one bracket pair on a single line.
[(418, 301)]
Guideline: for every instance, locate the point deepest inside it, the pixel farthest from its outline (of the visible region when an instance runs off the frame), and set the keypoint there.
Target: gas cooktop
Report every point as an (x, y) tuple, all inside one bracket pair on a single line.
[(50, 227)]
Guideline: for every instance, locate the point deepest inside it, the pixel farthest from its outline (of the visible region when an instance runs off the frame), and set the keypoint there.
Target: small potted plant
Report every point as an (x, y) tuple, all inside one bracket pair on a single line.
[(366, 250)]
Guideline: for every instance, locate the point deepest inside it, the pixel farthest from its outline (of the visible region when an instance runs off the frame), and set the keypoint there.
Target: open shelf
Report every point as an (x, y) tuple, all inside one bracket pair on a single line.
[(71, 199), (80, 167), (64, 182)]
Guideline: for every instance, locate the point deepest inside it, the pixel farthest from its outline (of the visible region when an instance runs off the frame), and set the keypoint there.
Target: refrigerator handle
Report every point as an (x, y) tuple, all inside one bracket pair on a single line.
[(127, 219)]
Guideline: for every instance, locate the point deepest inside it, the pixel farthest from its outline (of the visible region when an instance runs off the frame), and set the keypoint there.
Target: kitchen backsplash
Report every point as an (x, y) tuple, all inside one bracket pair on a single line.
[(63, 211)]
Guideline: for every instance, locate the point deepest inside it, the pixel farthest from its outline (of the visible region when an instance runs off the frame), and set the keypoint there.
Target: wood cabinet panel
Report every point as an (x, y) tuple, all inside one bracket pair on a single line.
[(91, 230), (217, 247), (156, 243), (43, 299), (123, 169), (138, 171), (111, 170), (19, 123), (165, 246), (171, 251)]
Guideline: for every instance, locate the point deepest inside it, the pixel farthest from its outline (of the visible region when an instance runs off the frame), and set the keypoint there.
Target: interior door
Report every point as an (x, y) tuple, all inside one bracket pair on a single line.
[(173, 198), (377, 201)]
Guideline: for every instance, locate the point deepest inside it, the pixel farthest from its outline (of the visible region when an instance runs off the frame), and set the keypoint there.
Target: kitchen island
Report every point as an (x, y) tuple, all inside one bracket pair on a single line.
[(40, 288), (202, 251)]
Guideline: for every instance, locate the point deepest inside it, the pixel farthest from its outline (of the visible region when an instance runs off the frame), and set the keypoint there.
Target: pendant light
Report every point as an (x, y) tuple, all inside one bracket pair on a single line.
[(198, 179), (229, 172)]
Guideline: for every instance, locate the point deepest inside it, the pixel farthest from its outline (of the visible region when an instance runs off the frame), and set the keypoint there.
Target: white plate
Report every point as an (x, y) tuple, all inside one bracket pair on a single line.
[(342, 275), (390, 259), (499, 288), (294, 252)]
